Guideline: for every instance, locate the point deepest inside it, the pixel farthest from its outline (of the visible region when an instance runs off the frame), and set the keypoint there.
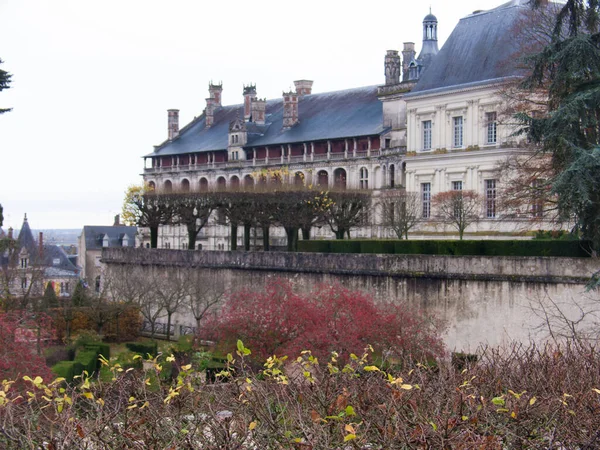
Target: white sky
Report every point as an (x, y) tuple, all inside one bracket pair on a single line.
[(92, 81)]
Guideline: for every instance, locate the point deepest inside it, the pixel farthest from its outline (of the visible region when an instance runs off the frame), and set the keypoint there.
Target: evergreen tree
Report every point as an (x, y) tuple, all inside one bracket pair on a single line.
[(568, 69), (49, 300), (79, 297), (4, 84)]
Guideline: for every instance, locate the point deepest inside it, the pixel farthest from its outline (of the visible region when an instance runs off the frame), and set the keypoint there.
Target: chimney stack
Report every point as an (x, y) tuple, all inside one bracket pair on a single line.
[(392, 67), (303, 87), (209, 112), (117, 220), (290, 109), (41, 243), (10, 233), (249, 96), (173, 124), (215, 91), (259, 107), (408, 54)]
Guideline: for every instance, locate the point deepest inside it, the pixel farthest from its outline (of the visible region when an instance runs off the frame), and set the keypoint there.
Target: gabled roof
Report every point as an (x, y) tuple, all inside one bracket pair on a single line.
[(481, 49), (94, 236), (55, 257), (348, 113)]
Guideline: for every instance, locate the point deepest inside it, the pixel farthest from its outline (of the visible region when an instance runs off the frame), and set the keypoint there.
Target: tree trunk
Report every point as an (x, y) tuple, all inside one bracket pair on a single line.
[(192, 234), (289, 231), (153, 237), (339, 234), (169, 326), (247, 228), (266, 245), (234, 230), (306, 233)]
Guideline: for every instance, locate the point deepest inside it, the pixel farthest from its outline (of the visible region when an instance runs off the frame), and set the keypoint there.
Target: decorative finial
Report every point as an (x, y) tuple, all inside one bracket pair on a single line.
[(25, 218)]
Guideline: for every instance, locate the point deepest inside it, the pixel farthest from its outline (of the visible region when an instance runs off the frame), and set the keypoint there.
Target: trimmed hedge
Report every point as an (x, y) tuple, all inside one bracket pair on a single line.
[(538, 247), (100, 348), (67, 369), (88, 359), (143, 348)]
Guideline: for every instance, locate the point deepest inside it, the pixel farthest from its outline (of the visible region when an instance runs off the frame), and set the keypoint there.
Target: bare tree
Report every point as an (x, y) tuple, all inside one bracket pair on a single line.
[(458, 208), (346, 210), (401, 211), (193, 210), (203, 293), (170, 291)]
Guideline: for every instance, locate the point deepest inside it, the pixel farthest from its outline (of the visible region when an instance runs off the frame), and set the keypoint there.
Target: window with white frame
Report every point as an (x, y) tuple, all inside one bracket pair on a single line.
[(426, 135), (458, 131), (492, 127), (457, 185), (490, 199), (364, 178), (426, 200)]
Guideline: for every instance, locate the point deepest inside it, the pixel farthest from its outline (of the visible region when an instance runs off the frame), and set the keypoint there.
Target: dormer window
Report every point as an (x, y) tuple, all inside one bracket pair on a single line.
[(125, 241), (105, 241)]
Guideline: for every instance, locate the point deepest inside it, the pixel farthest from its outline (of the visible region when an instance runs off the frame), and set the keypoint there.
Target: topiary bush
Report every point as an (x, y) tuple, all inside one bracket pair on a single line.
[(144, 348)]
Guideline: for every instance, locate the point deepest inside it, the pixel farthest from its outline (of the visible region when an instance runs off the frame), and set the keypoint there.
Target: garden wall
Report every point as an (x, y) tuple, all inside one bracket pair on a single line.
[(490, 300)]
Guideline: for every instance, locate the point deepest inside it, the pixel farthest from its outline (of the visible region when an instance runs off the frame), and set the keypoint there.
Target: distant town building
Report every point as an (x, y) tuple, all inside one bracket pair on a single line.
[(92, 240), (29, 265)]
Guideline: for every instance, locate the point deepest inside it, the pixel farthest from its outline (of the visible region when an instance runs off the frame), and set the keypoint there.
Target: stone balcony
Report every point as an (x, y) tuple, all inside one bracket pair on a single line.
[(285, 160)]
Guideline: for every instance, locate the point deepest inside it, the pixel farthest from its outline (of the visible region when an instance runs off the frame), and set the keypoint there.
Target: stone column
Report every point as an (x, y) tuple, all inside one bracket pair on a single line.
[(369, 146), (304, 144), (282, 153), (346, 148), (328, 149), (289, 155), (354, 148), (312, 151)]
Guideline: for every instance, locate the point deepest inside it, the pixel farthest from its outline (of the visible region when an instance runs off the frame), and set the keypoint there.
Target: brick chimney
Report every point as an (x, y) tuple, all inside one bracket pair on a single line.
[(249, 96), (303, 87), (173, 123), (408, 54), (392, 67), (215, 91), (117, 221), (41, 244), (209, 112), (290, 109), (259, 107), (10, 233)]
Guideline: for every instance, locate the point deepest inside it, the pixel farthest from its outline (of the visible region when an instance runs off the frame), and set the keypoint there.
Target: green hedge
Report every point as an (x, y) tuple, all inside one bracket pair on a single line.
[(143, 348), (67, 369), (89, 360), (100, 348), (538, 247)]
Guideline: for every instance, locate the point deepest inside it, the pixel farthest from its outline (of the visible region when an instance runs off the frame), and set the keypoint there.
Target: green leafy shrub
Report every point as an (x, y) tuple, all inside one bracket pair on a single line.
[(100, 348), (67, 370), (143, 348), (88, 360)]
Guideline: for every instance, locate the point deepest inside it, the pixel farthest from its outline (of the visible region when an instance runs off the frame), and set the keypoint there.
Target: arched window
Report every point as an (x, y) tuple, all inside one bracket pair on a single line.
[(234, 182), (203, 184), (392, 176), (364, 178), (221, 183), (339, 178), (152, 186), (323, 178), (298, 178), (248, 181), (168, 186), (185, 185)]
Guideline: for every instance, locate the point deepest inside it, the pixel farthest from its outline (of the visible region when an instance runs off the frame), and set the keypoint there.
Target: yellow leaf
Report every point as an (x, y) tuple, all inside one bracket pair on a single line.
[(252, 426), (349, 437), (350, 429), (465, 418), (406, 387), (371, 369), (88, 395), (170, 358), (132, 406), (100, 402), (513, 415), (532, 401), (186, 367), (597, 391)]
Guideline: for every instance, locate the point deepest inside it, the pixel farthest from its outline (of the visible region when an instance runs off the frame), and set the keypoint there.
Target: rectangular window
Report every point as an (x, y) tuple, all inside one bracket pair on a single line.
[(426, 199), (490, 199), (427, 135), (537, 203), (492, 127), (458, 131), (457, 185)]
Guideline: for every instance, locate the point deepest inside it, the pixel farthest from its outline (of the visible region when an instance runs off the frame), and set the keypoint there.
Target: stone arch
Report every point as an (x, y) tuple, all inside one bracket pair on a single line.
[(151, 186), (203, 184), (168, 186), (234, 182), (340, 177), (185, 185), (248, 181), (299, 178), (322, 178), (221, 183)]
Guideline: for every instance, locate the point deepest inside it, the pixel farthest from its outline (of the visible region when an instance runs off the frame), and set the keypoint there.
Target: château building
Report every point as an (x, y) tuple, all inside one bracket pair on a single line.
[(433, 126)]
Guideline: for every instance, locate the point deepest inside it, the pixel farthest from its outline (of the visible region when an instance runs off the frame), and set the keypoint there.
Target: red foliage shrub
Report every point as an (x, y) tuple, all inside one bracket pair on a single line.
[(330, 318), (21, 336)]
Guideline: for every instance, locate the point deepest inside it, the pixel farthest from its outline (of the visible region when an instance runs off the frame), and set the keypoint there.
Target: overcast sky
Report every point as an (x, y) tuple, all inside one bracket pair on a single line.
[(92, 81)]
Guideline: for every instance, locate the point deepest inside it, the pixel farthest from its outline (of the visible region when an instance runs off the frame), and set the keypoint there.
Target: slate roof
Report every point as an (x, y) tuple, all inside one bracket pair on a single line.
[(480, 50), (330, 115), (94, 236)]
